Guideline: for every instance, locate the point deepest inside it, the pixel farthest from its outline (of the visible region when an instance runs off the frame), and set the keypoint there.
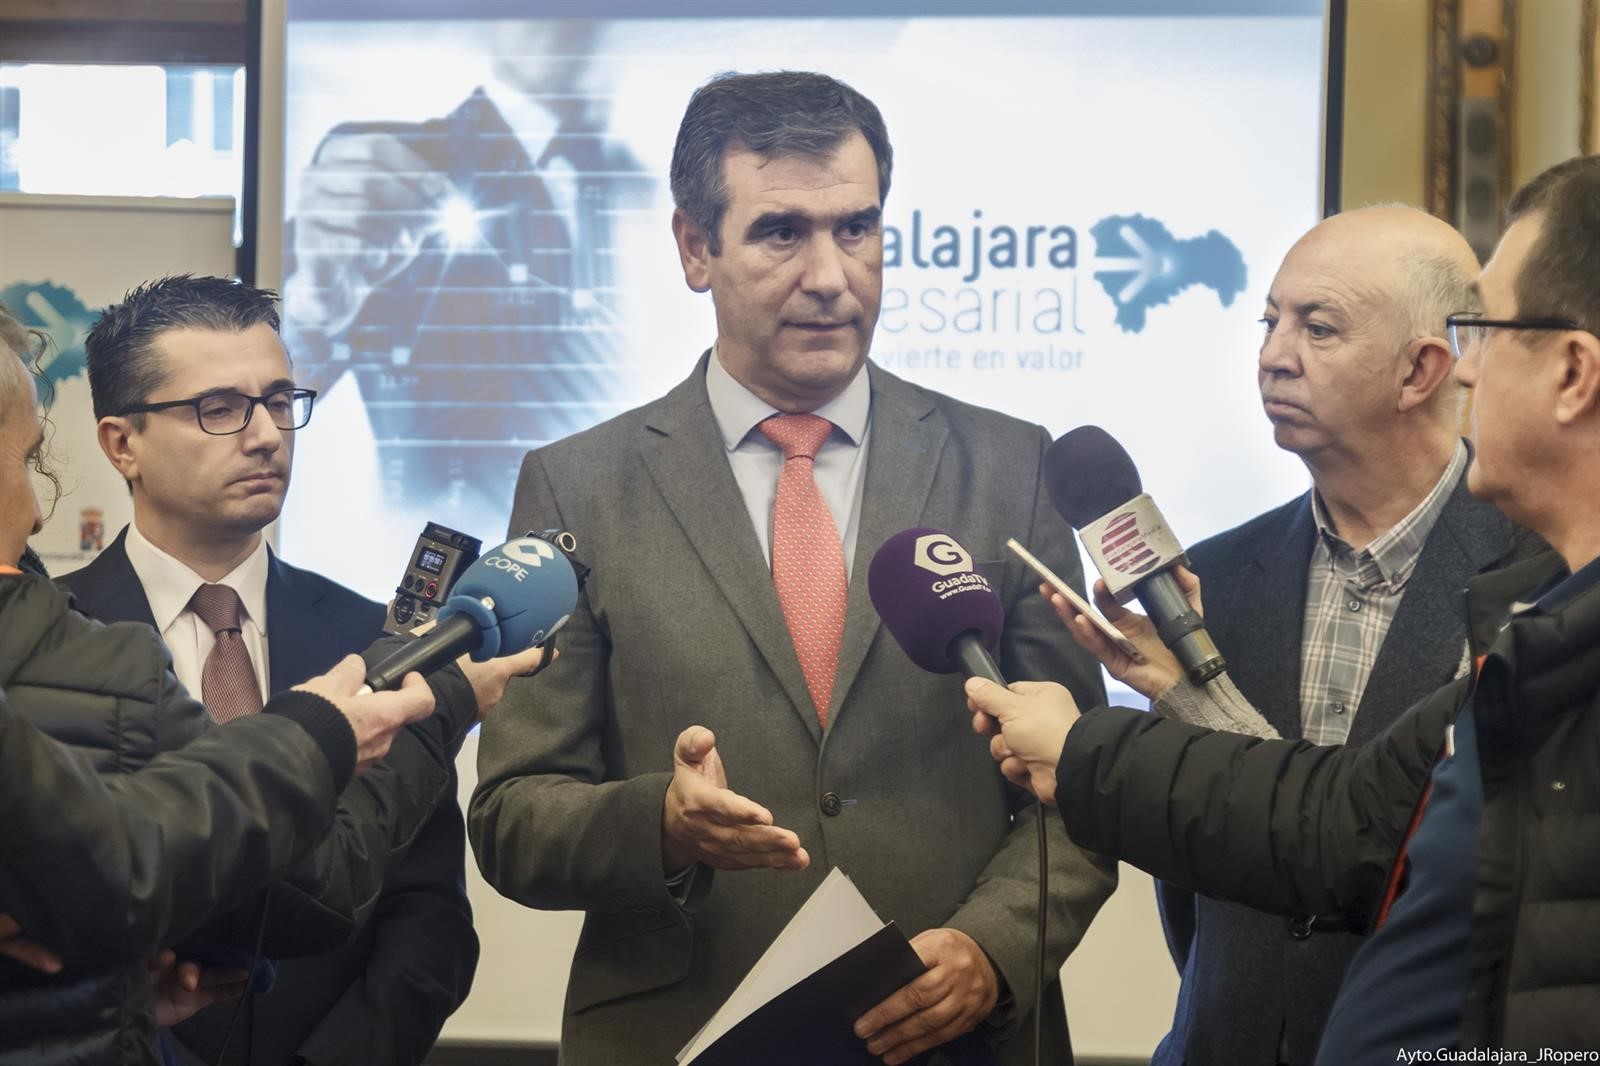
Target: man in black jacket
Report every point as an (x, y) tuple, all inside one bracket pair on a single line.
[(1465, 832), (173, 370), (98, 874)]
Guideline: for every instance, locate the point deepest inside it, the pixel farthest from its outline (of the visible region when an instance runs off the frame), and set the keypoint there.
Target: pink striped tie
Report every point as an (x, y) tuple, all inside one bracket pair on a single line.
[(228, 684), (807, 555)]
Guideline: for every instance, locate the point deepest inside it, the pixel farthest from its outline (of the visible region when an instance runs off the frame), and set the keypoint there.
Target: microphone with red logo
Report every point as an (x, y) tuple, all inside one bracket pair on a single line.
[(1095, 486), (935, 605)]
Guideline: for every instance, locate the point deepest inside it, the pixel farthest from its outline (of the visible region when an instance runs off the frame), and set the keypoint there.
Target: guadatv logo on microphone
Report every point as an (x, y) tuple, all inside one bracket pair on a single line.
[(938, 553)]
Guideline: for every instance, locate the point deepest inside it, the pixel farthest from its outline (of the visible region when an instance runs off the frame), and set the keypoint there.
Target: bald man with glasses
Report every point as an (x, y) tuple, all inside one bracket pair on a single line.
[(177, 372)]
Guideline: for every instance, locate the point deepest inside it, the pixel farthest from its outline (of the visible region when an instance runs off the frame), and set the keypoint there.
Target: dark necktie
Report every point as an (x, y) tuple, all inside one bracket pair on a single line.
[(228, 681), (807, 555)]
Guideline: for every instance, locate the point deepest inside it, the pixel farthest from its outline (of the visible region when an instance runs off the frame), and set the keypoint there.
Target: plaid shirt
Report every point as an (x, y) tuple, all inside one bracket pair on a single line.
[(1351, 597)]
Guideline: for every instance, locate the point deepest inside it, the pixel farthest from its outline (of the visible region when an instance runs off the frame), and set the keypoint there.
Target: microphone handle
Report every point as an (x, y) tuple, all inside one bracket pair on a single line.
[(1180, 627), (448, 641), (968, 650)]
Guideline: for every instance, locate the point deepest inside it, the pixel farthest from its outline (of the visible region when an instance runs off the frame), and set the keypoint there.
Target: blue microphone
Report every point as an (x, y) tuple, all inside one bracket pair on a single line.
[(514, 597)]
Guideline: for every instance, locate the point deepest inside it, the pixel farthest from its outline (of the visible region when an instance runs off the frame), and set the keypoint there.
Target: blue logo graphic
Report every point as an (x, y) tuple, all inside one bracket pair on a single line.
[(63, 318), (1141, 265)]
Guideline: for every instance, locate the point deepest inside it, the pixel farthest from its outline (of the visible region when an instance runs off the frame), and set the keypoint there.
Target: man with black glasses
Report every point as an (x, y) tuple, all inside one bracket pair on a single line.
[(197, 408)]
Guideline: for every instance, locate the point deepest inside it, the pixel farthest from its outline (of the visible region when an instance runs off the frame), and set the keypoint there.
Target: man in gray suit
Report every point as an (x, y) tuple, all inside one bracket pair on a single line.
[(727, 722), (1340, 609)]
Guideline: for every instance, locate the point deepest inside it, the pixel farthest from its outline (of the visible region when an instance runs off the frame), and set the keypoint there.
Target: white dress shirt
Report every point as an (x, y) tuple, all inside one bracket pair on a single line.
[(839, 466), (169, 584)]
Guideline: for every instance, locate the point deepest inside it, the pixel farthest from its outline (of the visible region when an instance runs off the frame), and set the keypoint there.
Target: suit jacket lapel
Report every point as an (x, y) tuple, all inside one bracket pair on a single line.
[(1421, 650), (907, 437), (683, 451), (108, 589), (1270, 671), (302, 633)]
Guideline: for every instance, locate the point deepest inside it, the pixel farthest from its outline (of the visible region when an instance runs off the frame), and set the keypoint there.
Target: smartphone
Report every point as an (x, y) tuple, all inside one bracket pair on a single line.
[(1054, 581)]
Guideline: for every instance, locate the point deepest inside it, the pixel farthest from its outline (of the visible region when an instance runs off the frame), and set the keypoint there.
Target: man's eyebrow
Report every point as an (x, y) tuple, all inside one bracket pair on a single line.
[(275, 386), (799, 220), (1311, 307), (772, 220)]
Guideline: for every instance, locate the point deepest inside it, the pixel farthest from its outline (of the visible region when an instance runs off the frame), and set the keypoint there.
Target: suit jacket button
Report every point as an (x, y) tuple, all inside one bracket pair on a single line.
[(830, 804), (1300, 928)]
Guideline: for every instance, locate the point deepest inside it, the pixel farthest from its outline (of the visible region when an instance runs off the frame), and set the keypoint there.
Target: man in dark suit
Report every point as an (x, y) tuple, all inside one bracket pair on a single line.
[(177, 372), (1340, 609), (730, 525)]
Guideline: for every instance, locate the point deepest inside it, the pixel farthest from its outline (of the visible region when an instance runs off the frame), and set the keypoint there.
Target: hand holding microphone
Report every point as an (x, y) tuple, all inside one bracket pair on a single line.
[(1095, 486), (374, 717), (507, 604), (511, 601), (1027, 727)]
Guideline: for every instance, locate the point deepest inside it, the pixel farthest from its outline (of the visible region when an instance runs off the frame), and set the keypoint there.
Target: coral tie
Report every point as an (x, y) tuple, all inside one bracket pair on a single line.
[(228, 681), (807, 555)]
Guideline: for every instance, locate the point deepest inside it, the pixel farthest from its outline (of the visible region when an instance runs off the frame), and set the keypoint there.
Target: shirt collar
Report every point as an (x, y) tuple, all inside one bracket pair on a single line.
[(169, 583), (738, 410), (1393, 554)]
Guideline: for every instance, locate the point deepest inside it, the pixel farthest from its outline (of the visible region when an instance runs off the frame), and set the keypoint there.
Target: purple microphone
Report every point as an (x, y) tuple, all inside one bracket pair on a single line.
[(935, 605)]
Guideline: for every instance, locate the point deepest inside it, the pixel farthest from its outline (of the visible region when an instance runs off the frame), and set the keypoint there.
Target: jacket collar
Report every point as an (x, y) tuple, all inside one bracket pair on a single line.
[(683, 450)]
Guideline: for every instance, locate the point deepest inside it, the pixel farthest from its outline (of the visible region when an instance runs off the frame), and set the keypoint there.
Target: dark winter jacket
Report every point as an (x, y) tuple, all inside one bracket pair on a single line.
[(1298, 829), (105, 872)]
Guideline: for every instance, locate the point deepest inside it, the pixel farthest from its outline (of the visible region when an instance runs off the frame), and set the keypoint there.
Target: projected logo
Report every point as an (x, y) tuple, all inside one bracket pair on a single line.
[(937, 553), (1141, 265), (1124, 547), (61, 316)]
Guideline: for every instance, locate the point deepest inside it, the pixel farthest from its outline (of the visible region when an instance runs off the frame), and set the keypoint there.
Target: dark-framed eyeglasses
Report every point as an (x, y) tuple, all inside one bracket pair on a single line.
[(1467, 328), (224, 413)]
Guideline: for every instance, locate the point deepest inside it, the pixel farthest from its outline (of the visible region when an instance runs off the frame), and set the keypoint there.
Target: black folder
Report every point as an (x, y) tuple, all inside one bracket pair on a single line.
[(811, 1023)]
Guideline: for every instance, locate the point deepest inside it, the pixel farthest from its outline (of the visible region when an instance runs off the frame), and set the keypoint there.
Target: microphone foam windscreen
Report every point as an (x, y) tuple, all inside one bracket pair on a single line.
[(1087, 474), (925, 589), (534, 590)]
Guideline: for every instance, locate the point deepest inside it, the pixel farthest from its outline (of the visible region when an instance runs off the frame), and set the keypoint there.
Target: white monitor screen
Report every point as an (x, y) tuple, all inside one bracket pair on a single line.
[(1088, 203)]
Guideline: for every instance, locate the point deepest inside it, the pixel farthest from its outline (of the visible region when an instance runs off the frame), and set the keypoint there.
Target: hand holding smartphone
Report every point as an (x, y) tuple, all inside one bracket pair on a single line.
[(1081, 605)]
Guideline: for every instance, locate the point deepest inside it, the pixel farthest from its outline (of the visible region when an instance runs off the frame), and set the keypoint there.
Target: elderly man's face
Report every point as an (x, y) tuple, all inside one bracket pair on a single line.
[(800, 276), (21, 436), (1328, 364)]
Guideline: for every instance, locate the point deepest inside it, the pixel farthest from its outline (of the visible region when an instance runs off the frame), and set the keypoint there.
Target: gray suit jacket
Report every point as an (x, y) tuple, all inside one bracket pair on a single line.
[(679, 625), (1247, 975)]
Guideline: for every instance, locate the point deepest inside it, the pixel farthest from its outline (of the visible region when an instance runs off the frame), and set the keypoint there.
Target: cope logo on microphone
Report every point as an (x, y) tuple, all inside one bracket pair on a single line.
[(939, 554), (514, 556), (1124, 547)]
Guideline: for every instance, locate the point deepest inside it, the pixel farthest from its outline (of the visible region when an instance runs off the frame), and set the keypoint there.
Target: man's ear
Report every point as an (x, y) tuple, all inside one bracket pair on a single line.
[(115, 434), (694, 251), (1579, 393), (1427, 364)]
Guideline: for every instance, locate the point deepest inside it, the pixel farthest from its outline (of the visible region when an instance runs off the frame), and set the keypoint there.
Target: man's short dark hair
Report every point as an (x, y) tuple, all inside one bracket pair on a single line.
[(785, 113), (124, 367), (1558, 279)]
